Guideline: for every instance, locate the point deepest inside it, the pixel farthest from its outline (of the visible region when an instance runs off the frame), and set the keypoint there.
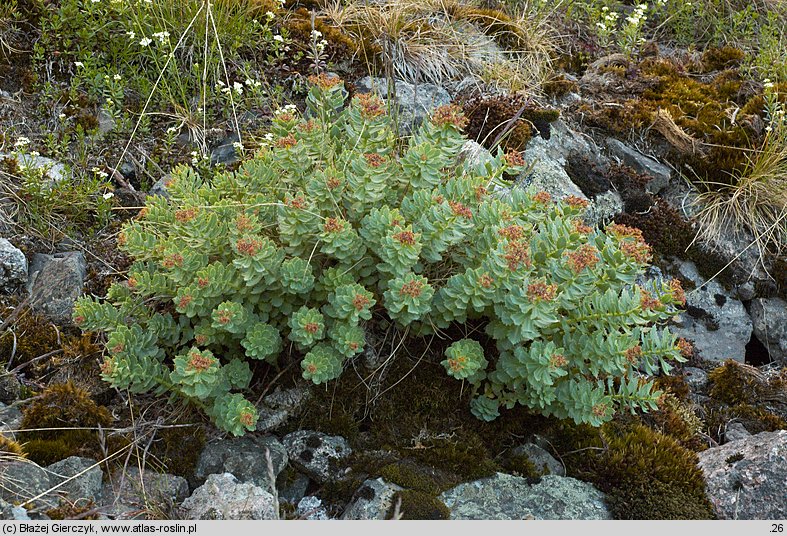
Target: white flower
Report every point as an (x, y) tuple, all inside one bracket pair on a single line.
[(108, 195), (316, 34), (21, 141), (270, 15), (767, 84), (238, 146), (269, 136), (34, 153), (145, 41), (79, 64), (117, 77), (131, 35), (161, 36), (238, 87), (278, 38), (62, 116)]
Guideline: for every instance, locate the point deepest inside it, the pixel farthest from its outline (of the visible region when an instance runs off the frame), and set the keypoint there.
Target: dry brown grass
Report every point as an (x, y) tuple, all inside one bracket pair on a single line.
[(443, 40)]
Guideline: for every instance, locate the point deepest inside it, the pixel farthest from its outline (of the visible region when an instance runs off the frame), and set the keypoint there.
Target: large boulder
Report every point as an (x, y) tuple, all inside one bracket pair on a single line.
[(316, 454), (747, 478), (223, 497), (56, 281), (414, 101), (503, 497), (243, 457), (13, 267), (717, 323), (770, 326)]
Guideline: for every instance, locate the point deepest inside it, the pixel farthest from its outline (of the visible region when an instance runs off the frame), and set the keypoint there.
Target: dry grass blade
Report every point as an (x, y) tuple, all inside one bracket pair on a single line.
[(757, 204)]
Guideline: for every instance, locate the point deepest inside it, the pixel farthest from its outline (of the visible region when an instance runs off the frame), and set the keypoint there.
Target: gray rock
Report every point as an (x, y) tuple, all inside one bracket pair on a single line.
[(129, 494), (10, 419), (372, 500), (543, 461), (160, 186), (548, 161), (56, 281), (88, 485), (311, 509), (717, 323), (316, 454), (641, 164), (414, 101), (503, 497), (23, 480), (747, 479), (10, 388), (473, 154), (746, 291), (279, 406), (223, 497), (696, 378), (244, 457), (735, 431), (53, 171), (225, 152), (106, 123), (13, 267), (294, 489), (10, 512), (770, 326)]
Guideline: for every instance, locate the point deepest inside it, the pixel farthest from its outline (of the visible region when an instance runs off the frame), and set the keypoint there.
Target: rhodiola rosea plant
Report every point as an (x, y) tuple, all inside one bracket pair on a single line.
[(338, 224)]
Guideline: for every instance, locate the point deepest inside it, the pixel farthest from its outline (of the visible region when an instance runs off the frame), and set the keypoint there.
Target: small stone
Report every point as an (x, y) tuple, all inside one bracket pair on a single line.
[(641, 164), (279, 406), (225, 151), (747, 478), (696, 378), (24, 480), (13, 267), (316, 454), (10, 512), (10, 419), (56, 281), (735, 431), (53, 171), (243, 457), (542, 460), (87, 485), (415, 102), (160, 186), (372, 500), (503, 497), (223, 497), (130, 494), (106, 123), (311, 509), (770, 326)]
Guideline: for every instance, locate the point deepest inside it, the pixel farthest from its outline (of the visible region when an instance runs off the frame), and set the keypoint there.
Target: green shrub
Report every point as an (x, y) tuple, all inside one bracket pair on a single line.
[(336, 227)]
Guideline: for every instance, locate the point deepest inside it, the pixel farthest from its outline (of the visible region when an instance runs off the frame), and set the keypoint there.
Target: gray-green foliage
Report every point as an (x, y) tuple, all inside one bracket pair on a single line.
[(302, 247)]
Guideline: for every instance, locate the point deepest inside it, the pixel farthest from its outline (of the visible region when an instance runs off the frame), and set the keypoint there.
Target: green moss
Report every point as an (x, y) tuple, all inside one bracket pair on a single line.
[(31, 336), (178, 448), (74, 511), (68, 419), (409, 474), (733, 384), (559, 86), (9, 446), (490, 117), (717, 59), (418, 505), (523, 466)]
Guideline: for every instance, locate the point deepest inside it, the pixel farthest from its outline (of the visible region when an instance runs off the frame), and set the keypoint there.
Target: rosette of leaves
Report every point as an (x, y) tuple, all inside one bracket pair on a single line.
[(262, 341), (465, 360), (323, 363), (408, 298), (350, 303), (307, 326), (197, 373), (233, 413), (296, 276), (339, 240), (231, 317), (348, 339)]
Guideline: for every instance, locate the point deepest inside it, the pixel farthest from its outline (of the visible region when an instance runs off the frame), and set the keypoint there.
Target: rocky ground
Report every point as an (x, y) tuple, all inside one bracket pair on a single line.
[(391, 440)]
